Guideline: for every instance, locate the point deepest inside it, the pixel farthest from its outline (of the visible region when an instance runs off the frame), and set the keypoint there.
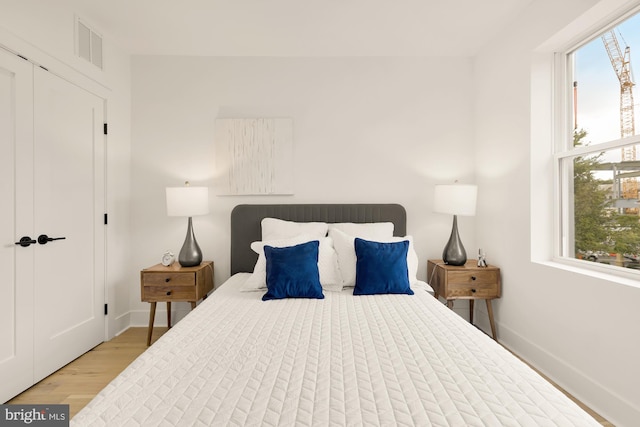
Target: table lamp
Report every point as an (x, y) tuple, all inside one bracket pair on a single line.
[(188, 201), (455, 199)]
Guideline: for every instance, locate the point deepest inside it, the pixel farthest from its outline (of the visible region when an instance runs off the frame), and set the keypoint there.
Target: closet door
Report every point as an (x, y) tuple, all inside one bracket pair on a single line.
[(52, 186), (16, 217), (68, 203)]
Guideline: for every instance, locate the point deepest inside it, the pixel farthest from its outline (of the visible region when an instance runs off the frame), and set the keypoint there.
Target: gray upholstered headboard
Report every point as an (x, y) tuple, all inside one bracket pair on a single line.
[(245, 223)]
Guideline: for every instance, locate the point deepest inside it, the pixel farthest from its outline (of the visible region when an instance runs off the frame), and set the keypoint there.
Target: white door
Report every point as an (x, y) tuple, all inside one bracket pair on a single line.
[(59, 192), (69, 203), (16, 265)]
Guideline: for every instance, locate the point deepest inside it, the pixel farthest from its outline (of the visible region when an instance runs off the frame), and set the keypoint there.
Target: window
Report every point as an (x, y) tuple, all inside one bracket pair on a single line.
[(599, 162)]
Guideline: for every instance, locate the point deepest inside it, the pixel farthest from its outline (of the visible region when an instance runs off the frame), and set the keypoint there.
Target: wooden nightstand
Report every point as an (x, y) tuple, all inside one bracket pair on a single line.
[(174, 283), (465, 282)]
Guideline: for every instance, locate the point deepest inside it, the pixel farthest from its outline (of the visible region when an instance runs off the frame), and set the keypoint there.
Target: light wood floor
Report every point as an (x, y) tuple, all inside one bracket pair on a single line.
[(78, 382)]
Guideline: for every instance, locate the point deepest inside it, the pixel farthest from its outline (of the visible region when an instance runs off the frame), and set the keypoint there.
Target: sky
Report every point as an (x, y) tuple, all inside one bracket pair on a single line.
[(599, 88)]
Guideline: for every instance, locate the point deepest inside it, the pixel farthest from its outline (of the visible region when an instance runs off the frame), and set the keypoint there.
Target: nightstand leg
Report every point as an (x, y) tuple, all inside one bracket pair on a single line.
[(471, 311), (493, 326), (152, 316), (169, 314), (193, 304), (450, 303)]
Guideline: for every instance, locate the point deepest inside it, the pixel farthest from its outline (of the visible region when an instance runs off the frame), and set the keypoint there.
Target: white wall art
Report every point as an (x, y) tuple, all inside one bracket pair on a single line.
[(254, 156)]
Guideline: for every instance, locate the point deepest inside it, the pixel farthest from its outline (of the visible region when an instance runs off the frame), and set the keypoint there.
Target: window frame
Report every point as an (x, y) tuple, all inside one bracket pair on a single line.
[(564, 153)]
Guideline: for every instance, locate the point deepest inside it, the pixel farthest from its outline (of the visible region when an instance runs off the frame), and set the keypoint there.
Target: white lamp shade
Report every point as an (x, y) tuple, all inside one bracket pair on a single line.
[(455, 199), (187, 201)]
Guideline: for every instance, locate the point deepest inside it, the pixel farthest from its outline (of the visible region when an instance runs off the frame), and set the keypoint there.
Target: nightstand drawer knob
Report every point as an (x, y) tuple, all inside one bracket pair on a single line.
[(168, 279), (169, 292), (473, 277), (473, 291)]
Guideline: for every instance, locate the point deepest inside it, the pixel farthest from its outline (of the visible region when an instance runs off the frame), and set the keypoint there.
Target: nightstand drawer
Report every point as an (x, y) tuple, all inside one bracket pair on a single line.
[(473, 290), (477, 277), (172, 293), (168, 279)]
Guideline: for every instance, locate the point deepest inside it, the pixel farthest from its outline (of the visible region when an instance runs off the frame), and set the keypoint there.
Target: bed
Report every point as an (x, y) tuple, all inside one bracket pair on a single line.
[(345, 360)]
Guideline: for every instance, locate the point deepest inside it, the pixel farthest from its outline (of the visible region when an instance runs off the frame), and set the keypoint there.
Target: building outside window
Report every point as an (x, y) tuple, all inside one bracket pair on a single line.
[(599, 159)]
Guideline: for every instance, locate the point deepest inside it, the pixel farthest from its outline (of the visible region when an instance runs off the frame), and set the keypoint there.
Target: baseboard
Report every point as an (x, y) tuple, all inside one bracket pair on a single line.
[(481, 318), (122, 323), (141, 317), (614, 408)]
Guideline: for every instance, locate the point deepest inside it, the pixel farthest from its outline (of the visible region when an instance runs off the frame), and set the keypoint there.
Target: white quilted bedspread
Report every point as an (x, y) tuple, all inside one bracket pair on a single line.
[(381, 360)]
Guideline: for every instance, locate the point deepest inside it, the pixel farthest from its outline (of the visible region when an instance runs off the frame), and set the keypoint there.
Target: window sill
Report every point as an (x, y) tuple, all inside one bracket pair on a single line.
[(622, 276)]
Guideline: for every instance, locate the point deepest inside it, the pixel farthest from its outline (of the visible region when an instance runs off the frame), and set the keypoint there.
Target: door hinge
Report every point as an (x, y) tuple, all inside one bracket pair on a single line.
[(106, 219), (106, 310), (105, 128)]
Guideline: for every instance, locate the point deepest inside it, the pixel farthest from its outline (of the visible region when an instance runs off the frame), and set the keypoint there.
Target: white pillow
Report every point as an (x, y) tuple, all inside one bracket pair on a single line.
[(330, 277), (366, 230), (419, 284), (345, 248), (276, 229)]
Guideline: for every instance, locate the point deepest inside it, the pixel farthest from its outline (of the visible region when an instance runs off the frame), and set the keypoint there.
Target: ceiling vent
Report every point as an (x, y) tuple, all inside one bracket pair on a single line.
[(88, 43)]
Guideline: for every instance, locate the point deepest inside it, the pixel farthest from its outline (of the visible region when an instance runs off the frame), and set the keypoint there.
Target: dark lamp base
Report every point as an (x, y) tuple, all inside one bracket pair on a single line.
[(190, 254), (454, 253)]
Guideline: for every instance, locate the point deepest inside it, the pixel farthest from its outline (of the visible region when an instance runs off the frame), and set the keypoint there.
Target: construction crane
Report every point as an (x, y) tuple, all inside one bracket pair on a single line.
[(622, 66)]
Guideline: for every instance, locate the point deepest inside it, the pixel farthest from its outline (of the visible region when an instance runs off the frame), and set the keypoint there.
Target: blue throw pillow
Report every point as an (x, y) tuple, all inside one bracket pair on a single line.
[(292, 272), (381, 268)]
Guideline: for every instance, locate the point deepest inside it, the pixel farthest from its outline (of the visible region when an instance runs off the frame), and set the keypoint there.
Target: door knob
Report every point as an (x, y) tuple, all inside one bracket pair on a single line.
[(26, 241), (43, 239)]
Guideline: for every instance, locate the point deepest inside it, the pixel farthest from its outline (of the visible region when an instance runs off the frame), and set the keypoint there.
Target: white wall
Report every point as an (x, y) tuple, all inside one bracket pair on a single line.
[(44, 33), (365, 130), (577, 328)]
